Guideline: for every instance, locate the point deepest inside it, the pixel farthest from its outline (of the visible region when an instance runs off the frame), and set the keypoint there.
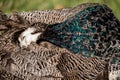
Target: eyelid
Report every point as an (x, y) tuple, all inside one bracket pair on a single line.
[(22, 37)]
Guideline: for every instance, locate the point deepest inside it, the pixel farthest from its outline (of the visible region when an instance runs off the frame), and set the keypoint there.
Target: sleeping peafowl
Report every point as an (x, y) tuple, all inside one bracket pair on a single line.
[(94, 31), (45, 61)]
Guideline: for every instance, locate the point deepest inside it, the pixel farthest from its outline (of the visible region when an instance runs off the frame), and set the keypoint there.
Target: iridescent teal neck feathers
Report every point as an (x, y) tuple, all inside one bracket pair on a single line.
[(92, 30)]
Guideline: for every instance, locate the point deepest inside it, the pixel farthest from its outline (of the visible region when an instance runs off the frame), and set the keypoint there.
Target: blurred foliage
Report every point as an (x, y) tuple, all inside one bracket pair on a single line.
[(27, 5)]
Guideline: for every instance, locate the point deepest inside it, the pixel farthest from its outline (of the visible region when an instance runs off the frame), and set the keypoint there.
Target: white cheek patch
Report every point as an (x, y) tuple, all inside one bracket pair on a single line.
[(26, 37), (114, 74)]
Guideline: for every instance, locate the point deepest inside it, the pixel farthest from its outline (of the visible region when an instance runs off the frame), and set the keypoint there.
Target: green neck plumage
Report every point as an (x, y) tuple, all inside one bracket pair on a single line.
[(77, 33)]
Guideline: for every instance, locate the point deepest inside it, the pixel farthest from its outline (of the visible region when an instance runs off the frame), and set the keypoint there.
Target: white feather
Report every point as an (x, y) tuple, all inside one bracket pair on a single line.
[(27, 37)]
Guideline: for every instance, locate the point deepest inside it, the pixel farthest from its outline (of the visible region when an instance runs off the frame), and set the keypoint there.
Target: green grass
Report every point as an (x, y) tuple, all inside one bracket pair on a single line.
[(27, 5)]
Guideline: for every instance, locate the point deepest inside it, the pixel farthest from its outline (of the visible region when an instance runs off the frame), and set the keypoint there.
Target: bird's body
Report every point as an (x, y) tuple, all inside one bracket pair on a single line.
[(92, 30), (42, 62)]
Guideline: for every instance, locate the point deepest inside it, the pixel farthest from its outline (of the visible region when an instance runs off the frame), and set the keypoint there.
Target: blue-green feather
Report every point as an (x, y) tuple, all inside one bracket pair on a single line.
[(81, 33)]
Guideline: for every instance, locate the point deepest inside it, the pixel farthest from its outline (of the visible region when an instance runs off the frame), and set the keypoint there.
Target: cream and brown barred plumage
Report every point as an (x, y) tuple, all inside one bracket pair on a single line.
[(93, 31), (48, 16), (97, 22), (5, 75), (44, 61), (47, 61)]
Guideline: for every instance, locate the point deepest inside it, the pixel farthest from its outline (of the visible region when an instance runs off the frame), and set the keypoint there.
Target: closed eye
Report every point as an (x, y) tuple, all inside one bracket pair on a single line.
[(22, 38)]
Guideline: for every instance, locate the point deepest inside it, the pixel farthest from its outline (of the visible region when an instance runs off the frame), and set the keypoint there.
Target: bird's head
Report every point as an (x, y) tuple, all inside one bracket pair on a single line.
[(28, 36)]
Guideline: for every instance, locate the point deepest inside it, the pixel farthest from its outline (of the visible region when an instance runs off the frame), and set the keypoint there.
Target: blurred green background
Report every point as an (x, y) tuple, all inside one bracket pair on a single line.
[(9, 6)]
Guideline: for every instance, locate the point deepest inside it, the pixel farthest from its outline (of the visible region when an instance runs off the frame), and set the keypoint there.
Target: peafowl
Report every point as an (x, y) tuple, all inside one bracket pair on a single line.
[(45, 61), (94, 31), (51, 60)]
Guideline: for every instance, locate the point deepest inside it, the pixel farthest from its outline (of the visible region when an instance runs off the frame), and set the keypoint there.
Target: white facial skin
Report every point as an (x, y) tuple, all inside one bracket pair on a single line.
[(27, 37), (114, 75)]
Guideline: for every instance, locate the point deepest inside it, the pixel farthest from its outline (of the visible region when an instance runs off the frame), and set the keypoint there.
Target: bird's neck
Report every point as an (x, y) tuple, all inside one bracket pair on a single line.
[(71, 34)]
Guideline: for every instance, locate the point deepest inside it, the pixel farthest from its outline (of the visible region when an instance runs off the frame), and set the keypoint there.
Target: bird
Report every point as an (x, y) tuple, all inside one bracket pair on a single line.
[(93, 31), (22, 63), (45, 61)]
